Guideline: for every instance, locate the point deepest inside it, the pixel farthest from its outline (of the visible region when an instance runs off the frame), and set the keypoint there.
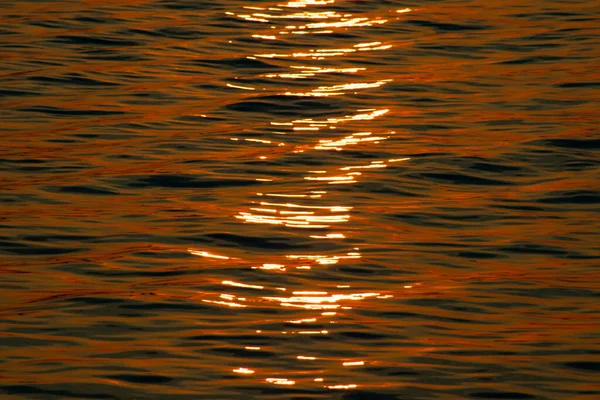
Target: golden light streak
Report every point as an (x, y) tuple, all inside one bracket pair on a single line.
[(243, 371), (324, 259), (353, 139), (266, 37), (242, 285), (280, 381), (319, 301), (337, 90), (259, 141), (286, 195), (292, 205), (225, 303), (306, 3), (329, 236), (279, 267), (240, 87), (309, 293), (207, 254), (340, 387), (301, 321), (267, 210), (353, 363)]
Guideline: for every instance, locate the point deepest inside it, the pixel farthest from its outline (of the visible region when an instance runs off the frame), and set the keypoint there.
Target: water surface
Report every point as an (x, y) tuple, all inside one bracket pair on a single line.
[(306, 200)]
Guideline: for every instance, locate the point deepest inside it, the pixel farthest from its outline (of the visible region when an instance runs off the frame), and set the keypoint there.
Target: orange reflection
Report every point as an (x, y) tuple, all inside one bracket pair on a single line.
[(245, 371), (280, 381), (319, 302)]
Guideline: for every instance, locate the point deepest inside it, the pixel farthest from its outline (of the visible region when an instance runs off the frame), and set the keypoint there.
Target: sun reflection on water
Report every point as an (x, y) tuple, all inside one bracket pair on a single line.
[(303, 207)]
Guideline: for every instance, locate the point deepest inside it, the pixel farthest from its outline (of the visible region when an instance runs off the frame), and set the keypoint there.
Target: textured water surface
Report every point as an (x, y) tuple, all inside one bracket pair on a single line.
[(306, 200)]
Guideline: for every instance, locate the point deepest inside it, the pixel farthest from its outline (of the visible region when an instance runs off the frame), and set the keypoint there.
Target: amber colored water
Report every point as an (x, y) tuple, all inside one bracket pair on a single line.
[(318, 199)]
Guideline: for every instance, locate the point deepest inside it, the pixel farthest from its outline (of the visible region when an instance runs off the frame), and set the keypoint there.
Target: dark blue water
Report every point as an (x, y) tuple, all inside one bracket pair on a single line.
[(312, 199)]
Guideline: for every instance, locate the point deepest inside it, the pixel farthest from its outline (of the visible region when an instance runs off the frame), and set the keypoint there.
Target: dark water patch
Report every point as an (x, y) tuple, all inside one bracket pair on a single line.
[(479, 255), (31, 250), (535, 248), (95, 54), (9, 244), (425, 127), (288, 105), (432, 220), (187, 5), (277, 391), (141, 379), (557, 102), (97, 18), (141, 355), (89, 190), (57, 238), (16, 198), (578, 85), (542, 14), (401, 315), (105, 307), (579, 197), (463, 179), (577, 144), (453, 52), (131, 273), (185, 182), (243, 353), (532, 60), (6, 32), (50, 24), (56, 393), (56, 111), (230, 336), (96, 300), (396, 371), (30, 342), (359, 270), (73, 79), (446, 27), (450, 305), (501, 395), (16, 93), (173, 32), (584, 366), (235, 63), (158, 308), (552, 293), (478, 353), (47, 169), (263, 107), (259, 242), (497, 168), (367, 395), (361, 335), (94, 41)]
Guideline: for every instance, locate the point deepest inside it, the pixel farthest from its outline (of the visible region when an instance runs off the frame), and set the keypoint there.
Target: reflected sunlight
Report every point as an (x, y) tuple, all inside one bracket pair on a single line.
[(305, 207)]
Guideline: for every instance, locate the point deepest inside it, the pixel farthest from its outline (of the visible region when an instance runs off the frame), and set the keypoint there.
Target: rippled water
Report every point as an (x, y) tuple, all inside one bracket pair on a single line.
[(306, 200)]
